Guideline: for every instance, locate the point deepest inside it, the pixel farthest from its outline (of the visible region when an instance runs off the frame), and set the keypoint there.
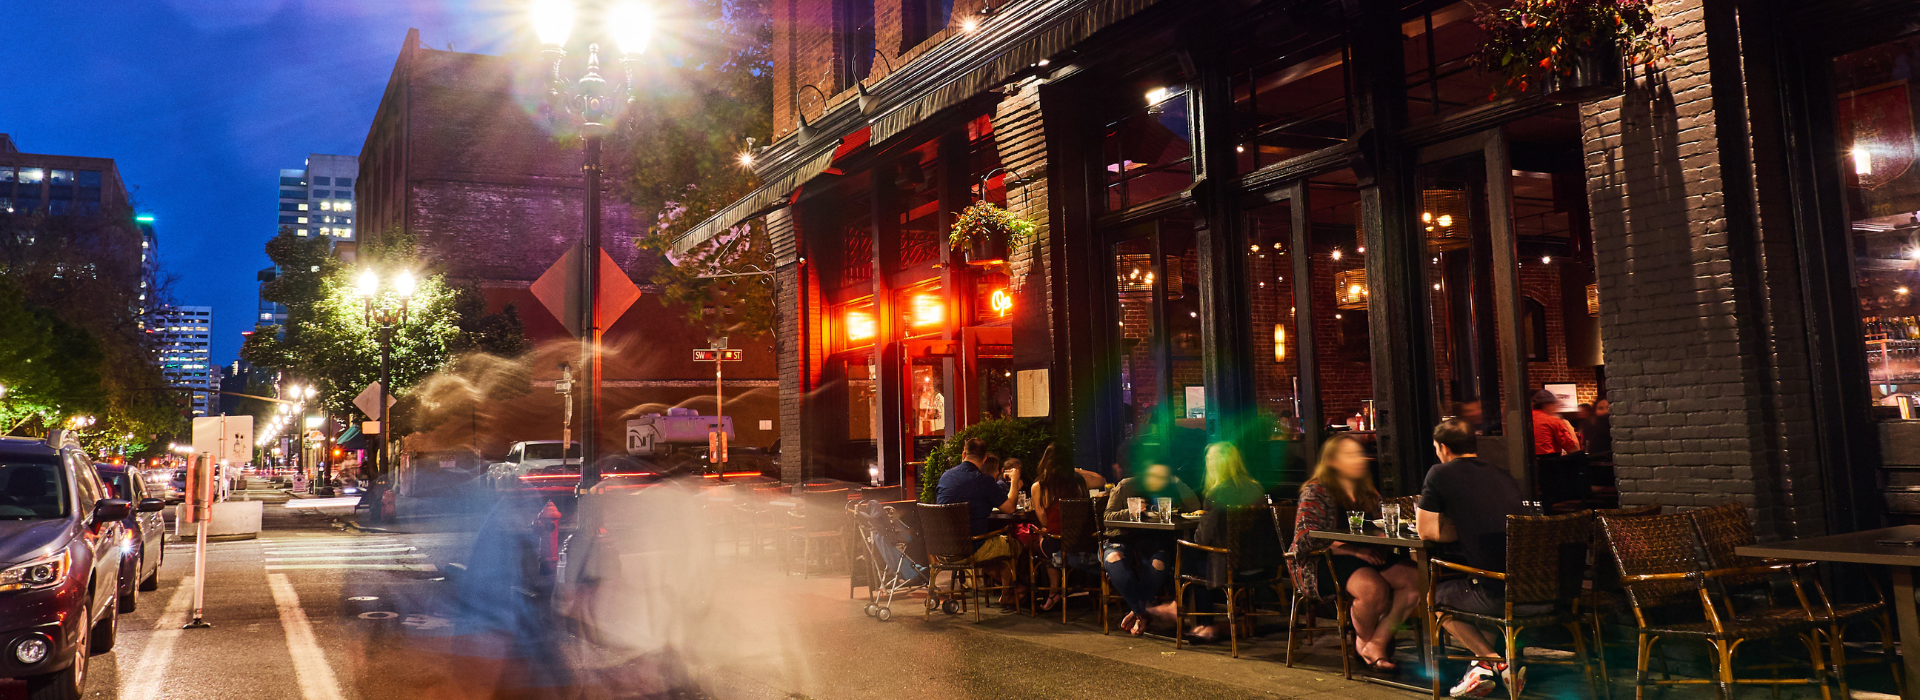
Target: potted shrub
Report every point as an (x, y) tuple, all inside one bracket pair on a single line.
[(1570, 50), (988, 233)]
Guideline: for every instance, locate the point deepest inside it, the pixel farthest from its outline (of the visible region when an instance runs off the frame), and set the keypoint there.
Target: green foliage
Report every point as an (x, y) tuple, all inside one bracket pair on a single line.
[(329, 341), (683, 163), (1532, 38), (1018, 438), (985, 220)]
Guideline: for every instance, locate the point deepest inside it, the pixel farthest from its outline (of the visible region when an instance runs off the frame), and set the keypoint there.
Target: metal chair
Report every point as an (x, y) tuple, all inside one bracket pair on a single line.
[(1546, 570), (1725, 527), (1079, 535), (1305, 605), (1253, 547), (1661, 571), (950, 547)]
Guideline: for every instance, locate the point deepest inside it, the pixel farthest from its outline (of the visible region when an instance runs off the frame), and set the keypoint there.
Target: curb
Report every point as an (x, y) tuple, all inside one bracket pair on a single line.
[(353, 523)]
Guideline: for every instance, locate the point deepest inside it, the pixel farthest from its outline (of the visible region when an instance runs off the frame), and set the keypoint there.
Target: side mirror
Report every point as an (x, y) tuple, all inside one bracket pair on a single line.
[(150, 505), (108, 510)]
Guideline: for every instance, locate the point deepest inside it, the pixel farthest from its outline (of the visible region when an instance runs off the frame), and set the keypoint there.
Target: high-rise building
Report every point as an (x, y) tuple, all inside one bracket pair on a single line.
[(317, 200), (186, 350), (270, 313)]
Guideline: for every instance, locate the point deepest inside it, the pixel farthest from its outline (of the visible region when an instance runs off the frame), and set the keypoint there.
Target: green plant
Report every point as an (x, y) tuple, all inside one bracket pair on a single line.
[(1531, 38), (984, 220), (1018, 438)]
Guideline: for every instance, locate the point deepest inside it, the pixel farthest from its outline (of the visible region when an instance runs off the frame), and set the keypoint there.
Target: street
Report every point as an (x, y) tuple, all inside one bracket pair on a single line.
[(314, 611)]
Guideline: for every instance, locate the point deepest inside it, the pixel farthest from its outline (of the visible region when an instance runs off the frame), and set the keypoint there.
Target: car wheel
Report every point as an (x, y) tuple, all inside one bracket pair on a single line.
[(67, 683), (103, 633), (152, 581), (127, 602)]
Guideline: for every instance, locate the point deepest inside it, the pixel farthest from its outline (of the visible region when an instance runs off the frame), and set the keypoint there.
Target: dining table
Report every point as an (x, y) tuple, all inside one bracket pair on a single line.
[(1897, 548), (1417, 550), (1179, 524)]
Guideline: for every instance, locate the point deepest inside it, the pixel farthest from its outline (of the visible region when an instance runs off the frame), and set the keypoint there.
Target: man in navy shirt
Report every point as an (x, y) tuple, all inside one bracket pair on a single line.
[(965, 483)]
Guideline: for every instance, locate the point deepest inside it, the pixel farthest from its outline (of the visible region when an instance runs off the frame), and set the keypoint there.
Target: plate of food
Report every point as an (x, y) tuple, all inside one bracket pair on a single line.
[(1196, 515)]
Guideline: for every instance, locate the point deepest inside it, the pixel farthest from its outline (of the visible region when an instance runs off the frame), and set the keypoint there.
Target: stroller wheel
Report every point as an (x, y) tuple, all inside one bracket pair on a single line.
[(952, 607), (871, 608), (885, 614), (933, 603)]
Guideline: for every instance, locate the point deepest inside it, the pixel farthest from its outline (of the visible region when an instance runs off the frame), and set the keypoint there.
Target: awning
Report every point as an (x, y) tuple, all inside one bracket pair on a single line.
[(351, 439), (944, 77)]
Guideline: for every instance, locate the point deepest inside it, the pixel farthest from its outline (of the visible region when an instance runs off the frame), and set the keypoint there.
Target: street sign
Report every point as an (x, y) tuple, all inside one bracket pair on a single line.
[(558, 290), (369, 400), (718, 355), (717, 447), (228, 438)]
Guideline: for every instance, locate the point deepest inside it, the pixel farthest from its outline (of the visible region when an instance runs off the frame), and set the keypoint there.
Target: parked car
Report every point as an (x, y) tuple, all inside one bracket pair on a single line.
[(60, 552), (144, 538), (178, 484), (534, 462), (159, 484)]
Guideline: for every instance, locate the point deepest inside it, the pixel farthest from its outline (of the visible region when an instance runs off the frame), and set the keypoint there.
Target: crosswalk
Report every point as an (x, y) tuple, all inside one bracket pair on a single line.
[(342, 553)]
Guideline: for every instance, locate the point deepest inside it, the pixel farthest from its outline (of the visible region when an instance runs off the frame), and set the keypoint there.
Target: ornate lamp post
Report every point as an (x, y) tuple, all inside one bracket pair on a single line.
[(594, 106), (386, 311)]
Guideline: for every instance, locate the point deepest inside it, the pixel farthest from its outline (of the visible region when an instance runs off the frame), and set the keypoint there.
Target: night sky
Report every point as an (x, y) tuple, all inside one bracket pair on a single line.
[(201, 102)]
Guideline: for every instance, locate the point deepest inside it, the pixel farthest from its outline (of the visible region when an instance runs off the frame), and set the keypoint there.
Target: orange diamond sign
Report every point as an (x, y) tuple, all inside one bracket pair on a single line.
[(558, 289)]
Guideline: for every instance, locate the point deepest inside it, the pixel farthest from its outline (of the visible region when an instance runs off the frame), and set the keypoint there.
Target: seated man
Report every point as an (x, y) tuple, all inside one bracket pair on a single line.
[(1465, 502), (967, 483)]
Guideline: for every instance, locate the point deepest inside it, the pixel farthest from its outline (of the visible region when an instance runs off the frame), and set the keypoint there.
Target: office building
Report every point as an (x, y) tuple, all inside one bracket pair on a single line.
[(270, 313), (185, 349), (317, 199)]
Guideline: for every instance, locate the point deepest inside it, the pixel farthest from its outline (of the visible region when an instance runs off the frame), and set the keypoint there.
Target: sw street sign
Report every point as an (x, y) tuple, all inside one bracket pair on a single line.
[(719, 355)]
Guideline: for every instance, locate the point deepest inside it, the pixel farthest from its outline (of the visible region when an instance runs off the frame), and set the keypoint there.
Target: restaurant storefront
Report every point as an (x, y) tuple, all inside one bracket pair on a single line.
[(1275, 222)]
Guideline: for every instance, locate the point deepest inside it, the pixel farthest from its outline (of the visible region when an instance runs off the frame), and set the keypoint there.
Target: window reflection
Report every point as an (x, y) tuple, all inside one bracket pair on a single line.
[(1875, 138), (1149, 154)]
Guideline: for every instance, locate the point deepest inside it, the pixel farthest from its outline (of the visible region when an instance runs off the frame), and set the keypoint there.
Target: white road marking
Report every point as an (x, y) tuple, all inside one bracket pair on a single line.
[(396, 549), (141, 677), (366, 567), (309, 664), (346, 557)]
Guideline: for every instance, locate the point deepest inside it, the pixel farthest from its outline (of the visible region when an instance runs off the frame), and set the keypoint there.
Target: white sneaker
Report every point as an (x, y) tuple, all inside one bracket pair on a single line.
[(1514, 677), (1478, 682)]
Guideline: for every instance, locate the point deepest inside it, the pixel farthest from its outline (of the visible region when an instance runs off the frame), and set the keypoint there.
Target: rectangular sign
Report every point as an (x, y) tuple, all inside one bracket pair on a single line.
[(717, 447), (719, 355), (228, 438)]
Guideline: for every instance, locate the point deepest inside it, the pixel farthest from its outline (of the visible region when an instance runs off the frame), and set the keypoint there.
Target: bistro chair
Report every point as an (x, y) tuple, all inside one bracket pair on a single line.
[(1725, 527), (1661, 571), (1079, 535), (1305, 606), (1544, 582), (1607, 600), (822, 517), (1249, 562), (950, 548)]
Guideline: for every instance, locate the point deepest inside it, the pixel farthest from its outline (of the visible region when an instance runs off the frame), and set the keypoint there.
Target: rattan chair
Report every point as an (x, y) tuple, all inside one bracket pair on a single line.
[(946, 530), (822, 518), (1725, 527), (1306, 607), (1661, 571), (1608, 600), (1546, 570), (1078, 535), (1253, 547)]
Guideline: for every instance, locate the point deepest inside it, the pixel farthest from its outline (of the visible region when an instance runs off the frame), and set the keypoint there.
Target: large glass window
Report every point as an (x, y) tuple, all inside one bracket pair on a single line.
[(917, 192), (1149, 154), (856, 40), (1874, 113), (1437, 46), (1276, 345), (1290, 107), (1341, 292)]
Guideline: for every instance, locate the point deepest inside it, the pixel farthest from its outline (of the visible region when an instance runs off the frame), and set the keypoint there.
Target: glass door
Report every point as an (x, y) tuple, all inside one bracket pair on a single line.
[(1158, 342)]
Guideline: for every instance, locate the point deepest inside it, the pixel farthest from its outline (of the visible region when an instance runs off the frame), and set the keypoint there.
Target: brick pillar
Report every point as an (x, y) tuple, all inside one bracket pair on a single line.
[(796, 339), (1690, 344)]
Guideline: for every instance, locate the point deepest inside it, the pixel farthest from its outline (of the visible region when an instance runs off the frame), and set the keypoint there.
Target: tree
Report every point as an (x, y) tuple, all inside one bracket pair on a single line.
[(683, 161), (329, 341)]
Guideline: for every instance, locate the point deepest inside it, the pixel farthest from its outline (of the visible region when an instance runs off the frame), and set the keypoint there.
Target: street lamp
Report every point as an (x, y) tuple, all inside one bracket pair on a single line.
[(386, 310), (594, 106)]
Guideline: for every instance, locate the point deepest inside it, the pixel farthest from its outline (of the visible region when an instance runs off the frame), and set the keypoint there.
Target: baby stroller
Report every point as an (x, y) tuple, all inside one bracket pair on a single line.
[(886, 540)]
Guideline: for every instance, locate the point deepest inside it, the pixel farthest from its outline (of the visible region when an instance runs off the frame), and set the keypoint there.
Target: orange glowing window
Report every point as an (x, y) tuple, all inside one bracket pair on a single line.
[(860, 326), (1002, 302), (928, 311), (1279, 343)]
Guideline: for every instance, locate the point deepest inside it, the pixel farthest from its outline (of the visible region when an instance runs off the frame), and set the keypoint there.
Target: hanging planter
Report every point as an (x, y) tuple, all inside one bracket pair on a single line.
[(1570, 51), (988, 234)]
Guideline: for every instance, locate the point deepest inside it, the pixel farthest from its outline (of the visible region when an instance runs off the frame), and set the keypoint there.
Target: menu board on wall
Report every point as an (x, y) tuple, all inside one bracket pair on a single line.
[(1031, 389)]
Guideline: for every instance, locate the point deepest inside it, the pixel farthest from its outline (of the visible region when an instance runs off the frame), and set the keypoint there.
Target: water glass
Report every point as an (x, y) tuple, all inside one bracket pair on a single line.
[(1357, 521), (1165, 506), (1390, 515), (1135, 506)]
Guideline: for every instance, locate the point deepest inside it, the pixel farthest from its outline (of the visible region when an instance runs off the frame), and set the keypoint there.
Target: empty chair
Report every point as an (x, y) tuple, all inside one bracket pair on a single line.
[(950, 548)]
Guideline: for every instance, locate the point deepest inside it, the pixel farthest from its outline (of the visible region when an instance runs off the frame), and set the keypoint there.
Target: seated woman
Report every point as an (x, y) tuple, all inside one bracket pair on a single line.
[(1228, 486), (1053, 480), (1382, 584), (1136, 561)]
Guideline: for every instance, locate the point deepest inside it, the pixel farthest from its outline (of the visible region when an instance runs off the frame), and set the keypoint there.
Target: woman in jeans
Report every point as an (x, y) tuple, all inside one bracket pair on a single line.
[(1228, 486), (1140, 562), (1382, 585)]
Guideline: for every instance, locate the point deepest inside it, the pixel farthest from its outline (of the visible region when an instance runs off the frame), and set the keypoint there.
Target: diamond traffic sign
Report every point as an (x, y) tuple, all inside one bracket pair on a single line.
[(369, 400), (558, 289)]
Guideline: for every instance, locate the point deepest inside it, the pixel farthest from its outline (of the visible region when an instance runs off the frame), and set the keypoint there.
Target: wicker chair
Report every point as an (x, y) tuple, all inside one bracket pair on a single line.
[(1608, 600), (1725, 527), (1306, 607), (1254, 545), (1659, 562), (1079, 534), (950, 547), (822, 518), (1546, 569)]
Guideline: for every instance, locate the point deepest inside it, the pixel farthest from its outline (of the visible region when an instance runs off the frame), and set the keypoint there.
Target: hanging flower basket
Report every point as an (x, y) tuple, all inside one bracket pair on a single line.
[(1570, 51), (988, 234)]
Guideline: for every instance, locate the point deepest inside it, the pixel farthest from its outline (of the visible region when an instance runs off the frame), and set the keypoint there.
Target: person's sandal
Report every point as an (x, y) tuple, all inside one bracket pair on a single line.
[(1052, 602)]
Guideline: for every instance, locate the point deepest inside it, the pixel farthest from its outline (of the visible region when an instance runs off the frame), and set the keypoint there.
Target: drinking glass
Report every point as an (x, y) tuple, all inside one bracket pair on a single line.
[(1356, 521), (1390, 515), (1165, 506), (1134, 506)]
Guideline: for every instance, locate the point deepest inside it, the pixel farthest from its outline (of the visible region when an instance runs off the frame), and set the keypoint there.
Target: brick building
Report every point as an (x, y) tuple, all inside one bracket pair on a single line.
[(461, 158), (1722, 248)]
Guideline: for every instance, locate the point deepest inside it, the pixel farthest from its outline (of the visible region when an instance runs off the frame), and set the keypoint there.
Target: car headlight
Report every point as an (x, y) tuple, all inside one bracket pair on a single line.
[(44, 572)]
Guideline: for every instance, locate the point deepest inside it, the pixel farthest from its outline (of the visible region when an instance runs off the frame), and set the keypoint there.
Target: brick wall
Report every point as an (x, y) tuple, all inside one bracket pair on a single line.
[(806, 53), (1692, 411)]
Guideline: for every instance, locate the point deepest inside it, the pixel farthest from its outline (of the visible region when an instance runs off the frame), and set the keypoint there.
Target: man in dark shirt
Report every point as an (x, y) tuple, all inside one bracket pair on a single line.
[(966, 483), (1466, 502)]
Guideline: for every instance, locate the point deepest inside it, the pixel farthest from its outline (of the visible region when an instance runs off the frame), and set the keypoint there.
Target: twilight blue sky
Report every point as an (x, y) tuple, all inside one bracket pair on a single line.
[(201, 102)]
